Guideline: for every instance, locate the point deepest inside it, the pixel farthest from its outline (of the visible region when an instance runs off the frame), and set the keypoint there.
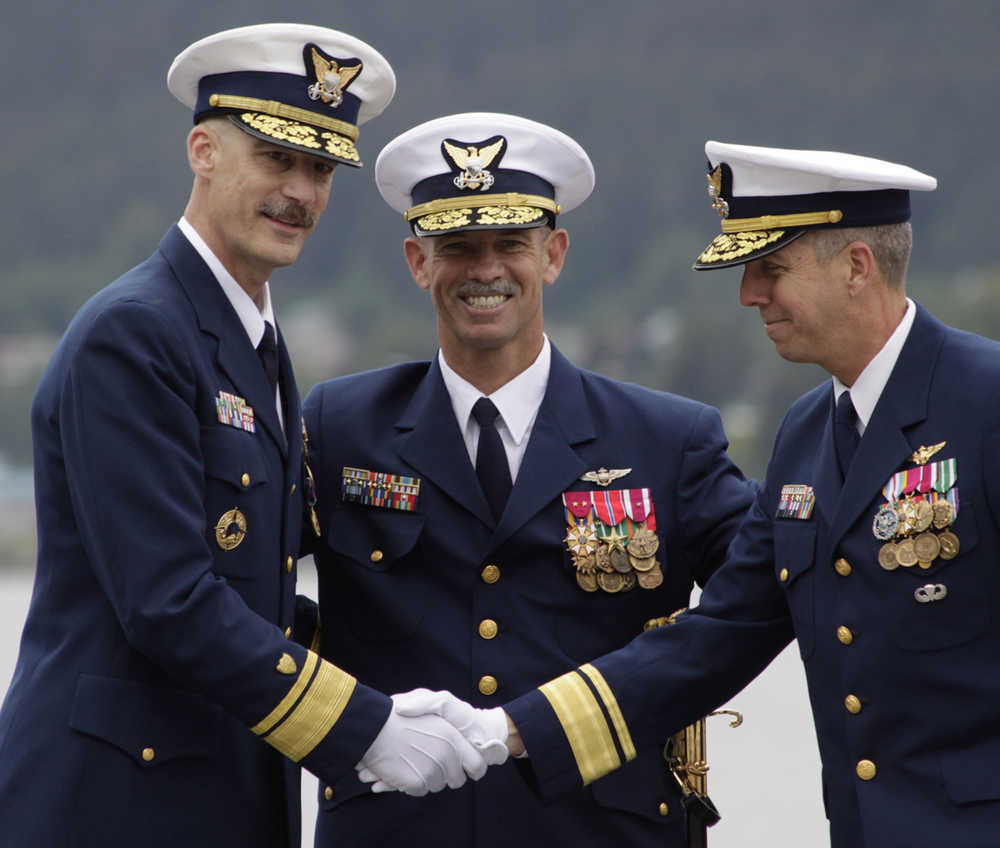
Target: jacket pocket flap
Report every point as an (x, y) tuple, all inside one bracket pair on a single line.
[(373, 536), (151, 724), (230, 455)]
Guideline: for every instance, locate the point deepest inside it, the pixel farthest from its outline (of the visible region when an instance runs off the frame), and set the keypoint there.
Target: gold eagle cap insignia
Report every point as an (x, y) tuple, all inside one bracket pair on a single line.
[(715, 192), (604, 476), (332, 78), (922, 454), (474, 162)]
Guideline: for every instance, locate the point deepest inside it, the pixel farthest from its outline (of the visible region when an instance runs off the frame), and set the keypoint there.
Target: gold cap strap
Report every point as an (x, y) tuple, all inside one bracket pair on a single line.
[(773, 222), (280, 110), (512, 198)]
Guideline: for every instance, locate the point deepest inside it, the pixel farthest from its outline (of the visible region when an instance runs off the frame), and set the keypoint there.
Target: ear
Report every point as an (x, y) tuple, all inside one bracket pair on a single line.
[(203, 144), (556, 245), (415, 251), (862, 269)]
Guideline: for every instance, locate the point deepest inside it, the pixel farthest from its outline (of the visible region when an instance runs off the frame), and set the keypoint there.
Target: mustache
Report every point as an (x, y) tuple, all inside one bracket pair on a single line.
[(290, 210), (472, 288)]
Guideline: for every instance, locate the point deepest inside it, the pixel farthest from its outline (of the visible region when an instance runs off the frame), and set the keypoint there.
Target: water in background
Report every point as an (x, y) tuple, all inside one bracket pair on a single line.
[(764, 775)]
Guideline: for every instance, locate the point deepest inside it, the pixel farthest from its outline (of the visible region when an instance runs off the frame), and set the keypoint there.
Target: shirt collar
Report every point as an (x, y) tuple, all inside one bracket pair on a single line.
[(518, 400), (867, 389), (250, 316)]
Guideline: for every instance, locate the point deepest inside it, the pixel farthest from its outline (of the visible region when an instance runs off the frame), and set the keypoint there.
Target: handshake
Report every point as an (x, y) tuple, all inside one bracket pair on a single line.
[(432, 740)]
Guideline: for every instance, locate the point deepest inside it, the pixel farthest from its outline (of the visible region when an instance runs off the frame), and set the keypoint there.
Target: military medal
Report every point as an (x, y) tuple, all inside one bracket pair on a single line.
[(949, 545), (611, 536), (611, 583), (927, 547), (643, 563), (887, 556), (886, 523), (923, 516), (644, 543), (944, 514), (652, 578), (906, 553), (230, 529)]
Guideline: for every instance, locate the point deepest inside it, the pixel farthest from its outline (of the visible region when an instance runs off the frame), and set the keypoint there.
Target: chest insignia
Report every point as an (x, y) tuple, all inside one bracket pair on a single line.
[(920, 506), (379, 488), (611, 536), (796, 501), (230, 529), (603, 476), (233, 411)]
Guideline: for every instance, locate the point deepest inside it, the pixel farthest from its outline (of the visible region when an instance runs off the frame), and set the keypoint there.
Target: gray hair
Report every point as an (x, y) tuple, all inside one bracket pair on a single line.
[(890, 245)]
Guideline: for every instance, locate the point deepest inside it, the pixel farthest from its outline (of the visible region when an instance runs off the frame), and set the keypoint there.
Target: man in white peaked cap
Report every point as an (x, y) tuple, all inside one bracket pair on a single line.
[(159, 698), (495, 515), (859, 546)]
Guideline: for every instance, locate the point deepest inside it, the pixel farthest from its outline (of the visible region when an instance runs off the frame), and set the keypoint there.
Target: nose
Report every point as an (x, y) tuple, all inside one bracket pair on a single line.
[(753, 289), (300, 184), (485, 266)]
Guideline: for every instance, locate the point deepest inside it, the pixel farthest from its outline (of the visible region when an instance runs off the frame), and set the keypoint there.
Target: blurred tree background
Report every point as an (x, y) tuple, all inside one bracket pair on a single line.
[(95, 172)]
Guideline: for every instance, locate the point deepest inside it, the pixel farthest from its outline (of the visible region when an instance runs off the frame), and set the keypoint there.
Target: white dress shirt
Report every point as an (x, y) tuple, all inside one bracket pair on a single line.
[(868, 388), (250, 316), (518, 402)]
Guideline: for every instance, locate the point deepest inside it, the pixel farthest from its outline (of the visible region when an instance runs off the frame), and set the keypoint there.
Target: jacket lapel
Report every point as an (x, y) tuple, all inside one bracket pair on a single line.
[(904, 402), (217, 318), (550, 465), (432, 444)]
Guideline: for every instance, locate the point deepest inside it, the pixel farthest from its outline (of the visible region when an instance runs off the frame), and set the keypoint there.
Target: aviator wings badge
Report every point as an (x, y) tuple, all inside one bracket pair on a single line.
[(604, 477)]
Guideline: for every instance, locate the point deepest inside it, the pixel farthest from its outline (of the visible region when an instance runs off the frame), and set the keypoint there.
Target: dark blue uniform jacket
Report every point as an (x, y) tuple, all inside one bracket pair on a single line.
[(154, 660), (407, 597)]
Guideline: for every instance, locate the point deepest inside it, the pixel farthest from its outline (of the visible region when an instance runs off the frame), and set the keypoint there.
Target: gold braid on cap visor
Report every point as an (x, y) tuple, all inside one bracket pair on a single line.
[(773, 222), (281, 110), (448, 204)]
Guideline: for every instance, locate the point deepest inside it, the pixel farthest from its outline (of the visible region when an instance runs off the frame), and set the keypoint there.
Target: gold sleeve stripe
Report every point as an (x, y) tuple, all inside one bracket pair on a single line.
[(584, 724), (279, 712), (317, 712), (611, 705)]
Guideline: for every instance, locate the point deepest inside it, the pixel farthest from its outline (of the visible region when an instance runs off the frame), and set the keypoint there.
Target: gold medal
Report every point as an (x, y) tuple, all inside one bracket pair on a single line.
[(923, 516), (887, 556), (644, 564), (581, 538), (944, 514), (602, 558), (644, 544), (906, 509), (610, 582), (628, 581), (652, 578), (587, 582), (906, 553), (949, 545), (927, 548), (230, 529)]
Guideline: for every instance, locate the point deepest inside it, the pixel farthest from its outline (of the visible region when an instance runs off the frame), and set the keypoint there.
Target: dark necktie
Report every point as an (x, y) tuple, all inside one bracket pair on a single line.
[(267, 350), (491, 458), (845, 432)]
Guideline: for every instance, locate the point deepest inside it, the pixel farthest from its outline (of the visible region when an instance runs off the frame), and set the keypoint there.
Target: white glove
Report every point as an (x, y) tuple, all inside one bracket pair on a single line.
[(419, 754), (486, 729)]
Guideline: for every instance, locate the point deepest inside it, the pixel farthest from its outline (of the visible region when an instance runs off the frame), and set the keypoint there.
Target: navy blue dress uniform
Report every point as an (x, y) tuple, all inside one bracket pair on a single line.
[(156, 659), (422, 586), (884, 573)]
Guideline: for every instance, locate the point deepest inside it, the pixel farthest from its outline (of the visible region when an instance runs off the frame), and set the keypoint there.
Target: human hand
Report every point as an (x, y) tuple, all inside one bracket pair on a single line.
[(486, 729), (417, 754)]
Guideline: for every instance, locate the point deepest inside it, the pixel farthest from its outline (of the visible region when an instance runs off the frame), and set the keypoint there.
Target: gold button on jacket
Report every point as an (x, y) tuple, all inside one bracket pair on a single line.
[(853, 704), (491, 573), (842, 567), (845, 635), (488, 684), (148, 754), (488, 628), (866, 769)]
